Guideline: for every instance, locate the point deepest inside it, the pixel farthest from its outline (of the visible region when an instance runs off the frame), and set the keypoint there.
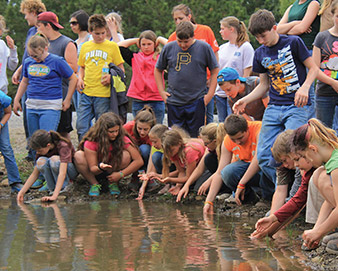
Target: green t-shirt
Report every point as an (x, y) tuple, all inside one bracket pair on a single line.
[(297, 13), (332, 164)]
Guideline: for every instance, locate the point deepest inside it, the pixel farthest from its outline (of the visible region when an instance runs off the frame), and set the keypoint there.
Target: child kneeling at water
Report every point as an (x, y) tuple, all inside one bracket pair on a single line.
[(185, 153), (107, 152), (54, 161), (154, 168)]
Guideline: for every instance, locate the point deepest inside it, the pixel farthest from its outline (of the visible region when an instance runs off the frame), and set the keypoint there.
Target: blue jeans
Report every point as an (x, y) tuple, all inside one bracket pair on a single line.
[(145, 153), (89, 108), (50, 171), (157, 161), (210, 111), (275, 120), (157, 106), (223, 108), (7, 152), (76, 100), (232, 174), (325, 110), (45, 119)]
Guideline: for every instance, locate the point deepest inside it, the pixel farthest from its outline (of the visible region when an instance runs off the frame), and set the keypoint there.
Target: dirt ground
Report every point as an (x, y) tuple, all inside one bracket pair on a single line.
[(78, 192)]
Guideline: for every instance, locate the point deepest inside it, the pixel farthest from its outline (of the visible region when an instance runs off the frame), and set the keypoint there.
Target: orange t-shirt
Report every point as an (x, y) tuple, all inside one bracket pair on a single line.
[(203, 33), (247, 151)]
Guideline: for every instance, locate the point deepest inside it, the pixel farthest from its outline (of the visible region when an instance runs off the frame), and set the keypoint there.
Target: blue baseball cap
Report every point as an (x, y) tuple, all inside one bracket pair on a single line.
[(228, 74)]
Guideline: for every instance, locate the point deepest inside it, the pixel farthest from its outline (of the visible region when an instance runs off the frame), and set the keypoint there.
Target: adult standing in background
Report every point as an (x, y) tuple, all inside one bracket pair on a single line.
[(63, 46), (202, 32), (31, 9), (79, 25), (237, 54)]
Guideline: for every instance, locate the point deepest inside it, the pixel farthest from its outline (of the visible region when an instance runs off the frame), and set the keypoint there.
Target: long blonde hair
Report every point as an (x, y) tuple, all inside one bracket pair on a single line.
[(173, 137), (326, 4), (239, 26), (314, 132), (214, 131)]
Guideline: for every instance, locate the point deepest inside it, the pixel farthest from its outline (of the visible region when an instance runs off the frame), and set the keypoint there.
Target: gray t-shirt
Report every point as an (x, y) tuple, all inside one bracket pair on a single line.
[(256, 108), (187, 70), (328, 45)]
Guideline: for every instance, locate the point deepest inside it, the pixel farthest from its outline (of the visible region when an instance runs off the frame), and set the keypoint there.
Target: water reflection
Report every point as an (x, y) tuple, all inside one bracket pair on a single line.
[(122, 235)]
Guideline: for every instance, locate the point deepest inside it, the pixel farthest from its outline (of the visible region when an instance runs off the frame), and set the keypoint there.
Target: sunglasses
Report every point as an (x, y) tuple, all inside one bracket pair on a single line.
[(73, 23)]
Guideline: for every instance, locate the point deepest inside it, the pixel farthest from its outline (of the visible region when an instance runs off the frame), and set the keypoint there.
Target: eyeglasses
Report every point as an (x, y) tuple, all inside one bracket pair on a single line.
[(73, 23)]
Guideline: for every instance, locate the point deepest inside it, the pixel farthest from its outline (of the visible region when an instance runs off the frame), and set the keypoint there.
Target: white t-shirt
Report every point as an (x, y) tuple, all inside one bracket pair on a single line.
[(238, 58), (8, 57)]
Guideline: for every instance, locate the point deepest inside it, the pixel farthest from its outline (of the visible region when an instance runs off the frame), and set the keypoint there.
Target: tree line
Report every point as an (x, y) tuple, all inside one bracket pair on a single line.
[(140, 15)]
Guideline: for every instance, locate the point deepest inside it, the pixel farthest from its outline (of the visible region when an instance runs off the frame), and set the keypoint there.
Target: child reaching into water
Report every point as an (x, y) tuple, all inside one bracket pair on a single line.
[(184, 153), (319, 144), (154, 168), (107, 152), (280, 216), (55, 162), (212, 135), (143, 88)]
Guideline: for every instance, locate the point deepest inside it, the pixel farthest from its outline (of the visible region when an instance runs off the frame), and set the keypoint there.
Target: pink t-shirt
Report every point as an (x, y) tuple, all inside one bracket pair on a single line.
[(93, 146), (194, 150)]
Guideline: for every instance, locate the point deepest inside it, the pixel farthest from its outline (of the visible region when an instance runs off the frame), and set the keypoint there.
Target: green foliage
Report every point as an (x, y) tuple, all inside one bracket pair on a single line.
[(140, 15)]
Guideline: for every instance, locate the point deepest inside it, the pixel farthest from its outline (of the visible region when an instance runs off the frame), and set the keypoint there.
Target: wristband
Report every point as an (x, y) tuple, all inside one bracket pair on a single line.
[(121, 174), (241, 186), (2, 125), (209, 202), (98, 165)]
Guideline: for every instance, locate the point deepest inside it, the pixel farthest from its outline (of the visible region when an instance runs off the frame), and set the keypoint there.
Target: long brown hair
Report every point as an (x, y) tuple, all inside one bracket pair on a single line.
[(99, 134)]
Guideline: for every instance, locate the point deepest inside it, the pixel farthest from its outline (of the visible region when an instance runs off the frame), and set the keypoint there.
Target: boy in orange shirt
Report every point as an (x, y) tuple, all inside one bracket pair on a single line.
[(238, 166)]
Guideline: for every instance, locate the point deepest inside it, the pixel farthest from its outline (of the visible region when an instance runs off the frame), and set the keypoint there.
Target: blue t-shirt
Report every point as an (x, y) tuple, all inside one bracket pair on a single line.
[(283, 63), (45, 78), (5, 100), (187, 70)]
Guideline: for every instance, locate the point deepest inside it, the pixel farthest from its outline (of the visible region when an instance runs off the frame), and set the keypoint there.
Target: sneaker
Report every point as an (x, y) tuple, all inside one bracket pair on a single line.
[(152, 186), (332, 247), (44, 188), (16, 187), (94, 190), (114, 189), (134, 185), (38, 184), (329, 237)]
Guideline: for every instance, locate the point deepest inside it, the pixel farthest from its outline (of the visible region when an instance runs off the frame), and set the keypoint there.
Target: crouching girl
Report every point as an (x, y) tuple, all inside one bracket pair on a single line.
[(54, 161), (107, 152)]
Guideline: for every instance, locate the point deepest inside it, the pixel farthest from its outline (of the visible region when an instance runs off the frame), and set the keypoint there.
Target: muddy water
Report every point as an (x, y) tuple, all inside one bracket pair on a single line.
[(131, 235)]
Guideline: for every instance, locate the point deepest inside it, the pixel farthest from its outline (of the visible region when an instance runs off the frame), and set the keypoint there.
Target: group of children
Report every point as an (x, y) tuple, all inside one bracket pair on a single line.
[(234, 157)]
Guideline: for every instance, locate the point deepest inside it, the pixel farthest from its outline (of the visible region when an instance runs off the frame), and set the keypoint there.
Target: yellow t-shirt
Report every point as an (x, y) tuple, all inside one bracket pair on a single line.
[(93, 57)]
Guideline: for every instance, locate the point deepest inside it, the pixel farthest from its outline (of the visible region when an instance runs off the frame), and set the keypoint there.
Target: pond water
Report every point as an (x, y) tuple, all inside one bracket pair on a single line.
[(131, 235)]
